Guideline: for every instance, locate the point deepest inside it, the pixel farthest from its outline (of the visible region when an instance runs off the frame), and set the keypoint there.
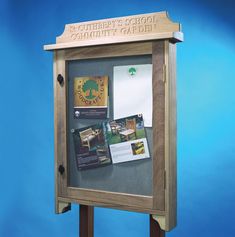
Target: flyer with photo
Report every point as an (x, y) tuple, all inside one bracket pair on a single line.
[(127, 139), (91, 97), (91, 147), (116, 141)]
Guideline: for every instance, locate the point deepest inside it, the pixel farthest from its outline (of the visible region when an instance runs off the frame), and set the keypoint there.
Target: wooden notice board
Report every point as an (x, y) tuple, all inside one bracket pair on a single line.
[(95, 48)]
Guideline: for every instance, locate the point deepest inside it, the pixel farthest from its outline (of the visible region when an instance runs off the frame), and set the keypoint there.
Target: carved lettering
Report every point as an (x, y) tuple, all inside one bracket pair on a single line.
[(117, 27), (129, 26)]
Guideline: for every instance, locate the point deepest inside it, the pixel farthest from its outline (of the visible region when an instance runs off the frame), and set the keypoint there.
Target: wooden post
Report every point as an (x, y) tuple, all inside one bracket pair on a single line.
[(155, 230), (86, 221)]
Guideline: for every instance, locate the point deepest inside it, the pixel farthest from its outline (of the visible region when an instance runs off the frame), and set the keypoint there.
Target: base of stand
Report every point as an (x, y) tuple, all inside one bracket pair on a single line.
[(86, 223)]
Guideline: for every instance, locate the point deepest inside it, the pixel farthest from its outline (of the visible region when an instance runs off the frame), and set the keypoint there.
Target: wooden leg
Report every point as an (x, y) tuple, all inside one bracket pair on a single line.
[(155, 230), (86, 221)]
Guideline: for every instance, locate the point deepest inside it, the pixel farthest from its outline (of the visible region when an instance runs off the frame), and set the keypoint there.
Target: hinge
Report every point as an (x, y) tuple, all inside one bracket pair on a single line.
[(164, 179), (164, 73)]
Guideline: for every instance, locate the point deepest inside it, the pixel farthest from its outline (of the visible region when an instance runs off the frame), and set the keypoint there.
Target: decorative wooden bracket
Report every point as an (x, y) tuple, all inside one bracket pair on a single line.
[(161, 221), (63, 207)]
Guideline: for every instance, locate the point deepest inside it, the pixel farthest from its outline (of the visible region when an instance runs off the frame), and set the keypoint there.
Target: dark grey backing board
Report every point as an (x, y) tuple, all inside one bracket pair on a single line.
[(133, 177)]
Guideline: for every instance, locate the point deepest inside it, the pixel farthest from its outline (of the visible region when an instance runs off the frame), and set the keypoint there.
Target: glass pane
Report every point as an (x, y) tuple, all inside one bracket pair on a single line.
[(134, 177)]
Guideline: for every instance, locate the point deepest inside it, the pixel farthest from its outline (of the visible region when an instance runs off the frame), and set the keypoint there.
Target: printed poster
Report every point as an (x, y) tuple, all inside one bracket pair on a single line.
[(91, 97)]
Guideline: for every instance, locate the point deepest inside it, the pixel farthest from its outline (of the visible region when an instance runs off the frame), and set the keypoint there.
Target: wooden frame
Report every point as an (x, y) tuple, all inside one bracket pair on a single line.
[(162, 204)]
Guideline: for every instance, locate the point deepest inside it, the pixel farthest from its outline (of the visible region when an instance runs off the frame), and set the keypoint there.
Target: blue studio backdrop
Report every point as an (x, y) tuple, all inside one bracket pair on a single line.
[(206, 112)]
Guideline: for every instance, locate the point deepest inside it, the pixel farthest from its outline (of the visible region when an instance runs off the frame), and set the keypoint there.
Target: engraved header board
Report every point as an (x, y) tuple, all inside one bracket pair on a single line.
[(117, 30)]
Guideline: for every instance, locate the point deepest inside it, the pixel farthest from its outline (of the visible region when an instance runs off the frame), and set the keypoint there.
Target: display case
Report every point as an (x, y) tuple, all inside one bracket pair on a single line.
[(104, 49)]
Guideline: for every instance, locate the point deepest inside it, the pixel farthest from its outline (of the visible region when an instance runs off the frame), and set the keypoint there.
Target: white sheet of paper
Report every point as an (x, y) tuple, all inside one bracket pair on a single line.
[(133, 93)]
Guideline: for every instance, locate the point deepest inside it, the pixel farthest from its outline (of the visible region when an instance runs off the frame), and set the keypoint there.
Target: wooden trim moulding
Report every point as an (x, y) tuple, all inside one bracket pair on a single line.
[(158, 82), (111, 197), (173, 36), (105, 51), (110, 205)]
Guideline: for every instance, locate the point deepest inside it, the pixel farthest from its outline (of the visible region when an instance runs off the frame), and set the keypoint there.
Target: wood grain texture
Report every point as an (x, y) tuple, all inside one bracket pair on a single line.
[(57, 206), (163, 201), (113, 206), (86, 221), (127, 26), (144, 27), (170, 137), (111, 197), (118, 50), (155, 230), (63, 207), (173, 36), (60, 126), (158, 60)]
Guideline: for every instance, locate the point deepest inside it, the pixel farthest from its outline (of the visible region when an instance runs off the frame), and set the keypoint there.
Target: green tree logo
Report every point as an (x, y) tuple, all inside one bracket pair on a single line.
[(90, 86), (132, 71)]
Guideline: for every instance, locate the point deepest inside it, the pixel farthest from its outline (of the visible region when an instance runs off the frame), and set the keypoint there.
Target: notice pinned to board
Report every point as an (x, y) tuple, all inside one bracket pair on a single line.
[(133, 91), (91, 97)]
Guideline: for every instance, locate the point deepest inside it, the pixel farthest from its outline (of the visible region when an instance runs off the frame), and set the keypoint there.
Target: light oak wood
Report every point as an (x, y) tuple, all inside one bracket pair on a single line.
[(111, 197), (161, 220), (162, 202), (129, 49), (158, 61), (60, 124), (113, 206), (159, 44), (170, 136), (62, 207), (174, 37), (155, 228), (135, 25), (144, 27)]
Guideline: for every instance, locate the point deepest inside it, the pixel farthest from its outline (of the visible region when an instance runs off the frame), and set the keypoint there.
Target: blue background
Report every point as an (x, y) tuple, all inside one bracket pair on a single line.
[(206, 112)]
